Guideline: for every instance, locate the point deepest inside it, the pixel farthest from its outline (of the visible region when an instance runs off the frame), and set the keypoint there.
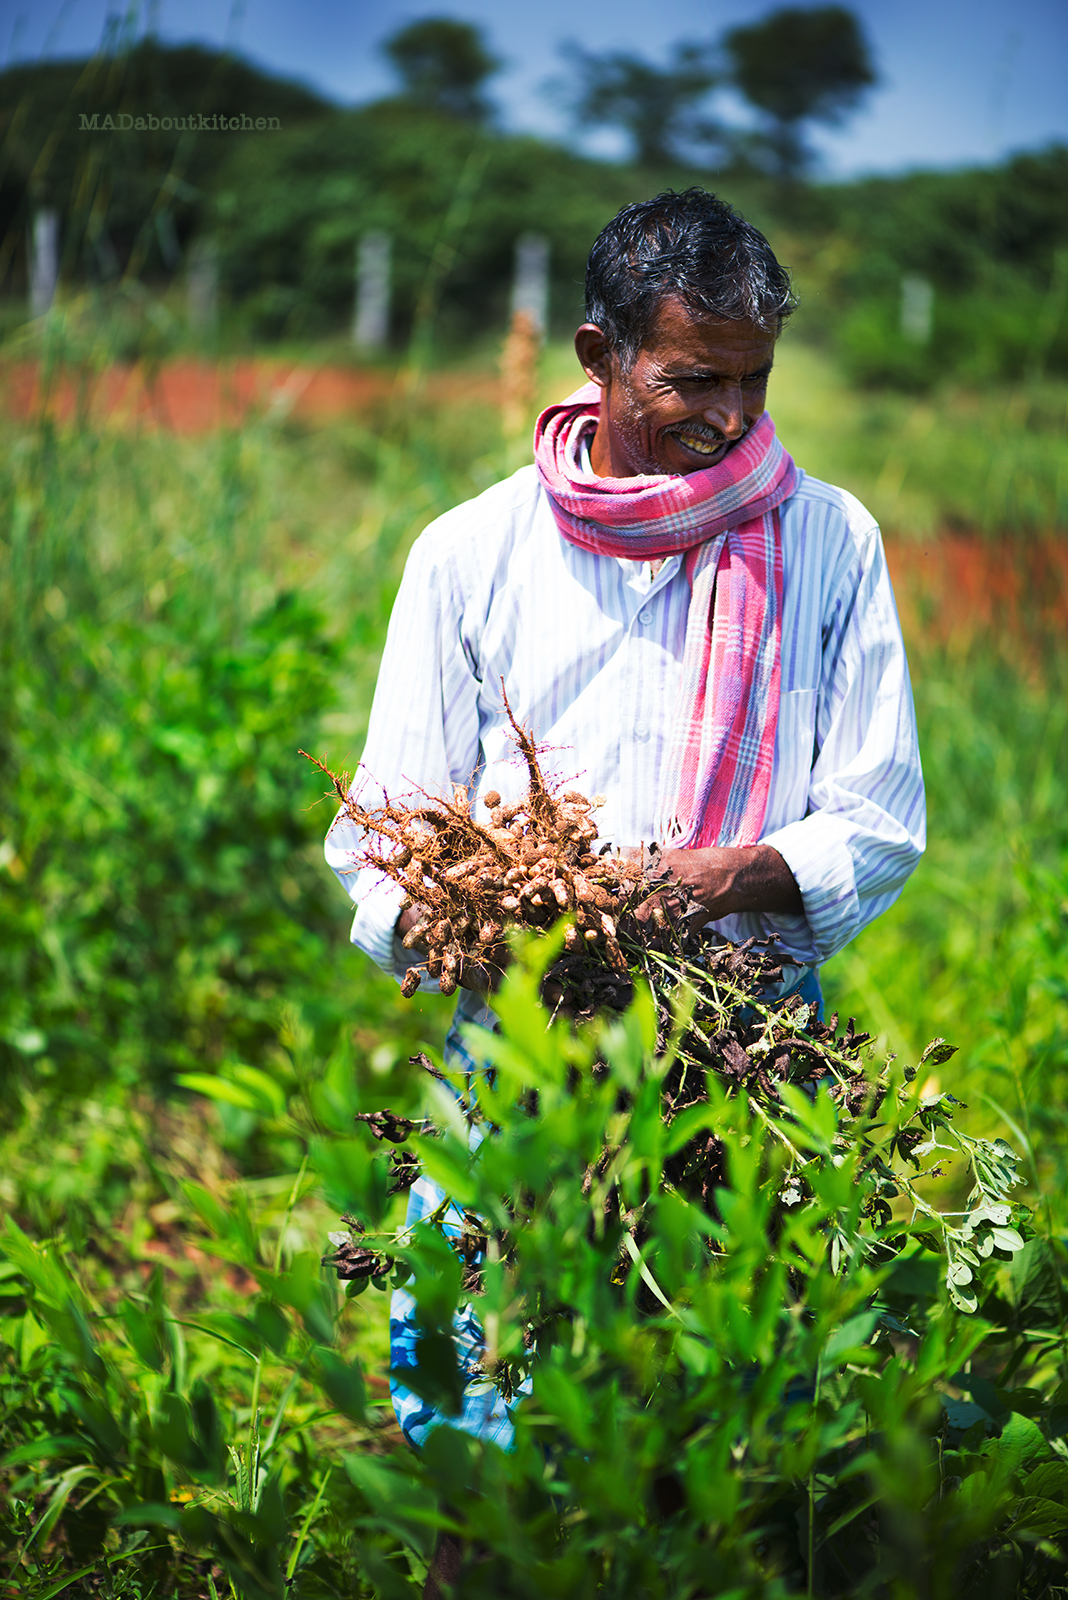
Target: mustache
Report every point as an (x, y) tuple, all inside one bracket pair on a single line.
[(704, 430)]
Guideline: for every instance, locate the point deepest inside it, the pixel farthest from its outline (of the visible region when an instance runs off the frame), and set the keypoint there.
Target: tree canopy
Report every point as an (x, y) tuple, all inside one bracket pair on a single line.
[(655, 105), (800, 66), (443, 65)]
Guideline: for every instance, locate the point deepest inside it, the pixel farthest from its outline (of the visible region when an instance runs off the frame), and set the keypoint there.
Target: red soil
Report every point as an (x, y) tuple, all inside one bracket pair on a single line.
[(188, 396), (957, 587)]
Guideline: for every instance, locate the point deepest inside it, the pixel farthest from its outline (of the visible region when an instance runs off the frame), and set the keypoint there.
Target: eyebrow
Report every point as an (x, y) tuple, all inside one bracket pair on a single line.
[(707, 372)]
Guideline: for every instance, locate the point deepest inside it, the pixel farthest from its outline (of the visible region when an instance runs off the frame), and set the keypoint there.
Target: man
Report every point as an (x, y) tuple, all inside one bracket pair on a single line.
[(704, 635)]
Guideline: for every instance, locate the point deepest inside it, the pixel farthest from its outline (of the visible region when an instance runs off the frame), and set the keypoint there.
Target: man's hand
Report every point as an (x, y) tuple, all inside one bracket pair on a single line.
[(480, 977), (725, 880)]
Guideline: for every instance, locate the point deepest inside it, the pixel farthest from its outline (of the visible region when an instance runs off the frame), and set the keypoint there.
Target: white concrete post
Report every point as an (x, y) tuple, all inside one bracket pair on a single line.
[(202, 286), (917, 308), (530, 290), (370, 327), (44, 260)]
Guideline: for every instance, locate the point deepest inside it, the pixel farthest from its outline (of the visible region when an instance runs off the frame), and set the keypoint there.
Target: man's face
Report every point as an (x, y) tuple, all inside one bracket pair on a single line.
[(697, 386)]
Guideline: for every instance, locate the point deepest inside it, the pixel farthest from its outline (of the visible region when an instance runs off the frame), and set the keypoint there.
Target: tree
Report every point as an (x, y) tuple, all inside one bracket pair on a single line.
[(443, 65), (653, 104), (796, 67)]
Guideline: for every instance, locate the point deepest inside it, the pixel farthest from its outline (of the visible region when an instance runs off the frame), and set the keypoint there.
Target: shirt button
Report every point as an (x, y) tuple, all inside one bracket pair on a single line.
[(645, 617), (641, 731)]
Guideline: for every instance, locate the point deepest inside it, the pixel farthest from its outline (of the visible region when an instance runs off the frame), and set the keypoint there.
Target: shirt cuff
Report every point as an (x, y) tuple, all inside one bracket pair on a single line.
[(822, 864), (374, 922), (374, 930)]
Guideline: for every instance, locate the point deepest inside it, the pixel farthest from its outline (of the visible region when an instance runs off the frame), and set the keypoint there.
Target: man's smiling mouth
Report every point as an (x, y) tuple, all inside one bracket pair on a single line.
[(701, 444)]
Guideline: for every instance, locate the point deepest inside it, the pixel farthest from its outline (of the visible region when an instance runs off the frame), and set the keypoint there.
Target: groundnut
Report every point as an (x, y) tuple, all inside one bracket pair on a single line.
[(491, 798), (462, 868), (410, 982), (510, 905), (415, 935), (561, 895)]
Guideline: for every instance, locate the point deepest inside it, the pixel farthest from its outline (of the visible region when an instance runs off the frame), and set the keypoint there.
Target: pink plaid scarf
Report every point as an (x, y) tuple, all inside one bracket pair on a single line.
[(726, 519)]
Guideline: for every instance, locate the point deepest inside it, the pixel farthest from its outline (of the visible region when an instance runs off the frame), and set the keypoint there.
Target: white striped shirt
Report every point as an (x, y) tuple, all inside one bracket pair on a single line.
[(590, 650)]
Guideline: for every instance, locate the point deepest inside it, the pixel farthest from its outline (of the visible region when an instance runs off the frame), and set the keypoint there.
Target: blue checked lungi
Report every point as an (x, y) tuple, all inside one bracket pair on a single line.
[(484, 1413)]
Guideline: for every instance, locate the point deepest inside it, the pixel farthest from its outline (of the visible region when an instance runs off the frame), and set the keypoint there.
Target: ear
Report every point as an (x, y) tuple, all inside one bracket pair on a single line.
[(593, 353)]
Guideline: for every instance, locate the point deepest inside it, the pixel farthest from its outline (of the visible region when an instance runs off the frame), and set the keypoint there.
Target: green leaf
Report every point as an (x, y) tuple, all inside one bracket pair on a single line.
[(232, 1094), (268, 1095), (207, 1208), (1020, 1441), (963, 1298), (852, 1335), (1036, 1518), (64, 1583), (46, 1449), (963, 1414), (32, 1338), (271, 1324), (436, 1375), (1006, 1239), (1049, 1481), (938, 1052), (1058, 1411), (58, 1500), (343, 1383), (449, 1167), (146, 1336), (151, 1514)]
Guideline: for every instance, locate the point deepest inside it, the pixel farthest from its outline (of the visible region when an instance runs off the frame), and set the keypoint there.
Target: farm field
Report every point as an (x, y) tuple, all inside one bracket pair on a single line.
[(196, 571)]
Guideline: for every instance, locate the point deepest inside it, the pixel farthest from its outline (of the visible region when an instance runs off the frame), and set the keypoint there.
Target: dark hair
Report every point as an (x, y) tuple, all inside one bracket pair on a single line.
[(692, 245)]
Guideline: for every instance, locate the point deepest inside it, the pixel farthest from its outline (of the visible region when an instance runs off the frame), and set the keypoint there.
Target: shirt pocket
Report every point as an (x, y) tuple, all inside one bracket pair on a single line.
[(795, 752)]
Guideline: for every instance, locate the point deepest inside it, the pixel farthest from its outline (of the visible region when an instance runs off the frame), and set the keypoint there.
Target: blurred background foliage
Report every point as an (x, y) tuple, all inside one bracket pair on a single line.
[(180, 610), (286, 207)]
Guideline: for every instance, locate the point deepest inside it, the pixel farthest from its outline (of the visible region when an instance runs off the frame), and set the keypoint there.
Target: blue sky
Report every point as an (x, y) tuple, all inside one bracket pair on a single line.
[(961, 80)]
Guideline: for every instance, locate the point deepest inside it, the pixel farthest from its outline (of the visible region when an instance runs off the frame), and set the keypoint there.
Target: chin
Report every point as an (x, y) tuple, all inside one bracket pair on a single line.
[(683, 462)]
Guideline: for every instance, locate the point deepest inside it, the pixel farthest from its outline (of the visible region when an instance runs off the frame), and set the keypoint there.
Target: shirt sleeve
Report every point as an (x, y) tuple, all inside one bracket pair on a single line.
[(865, 828), (423, 733)]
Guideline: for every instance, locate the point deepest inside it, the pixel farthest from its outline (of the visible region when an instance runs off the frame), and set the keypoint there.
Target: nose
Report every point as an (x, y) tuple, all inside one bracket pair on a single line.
[(725, 411)]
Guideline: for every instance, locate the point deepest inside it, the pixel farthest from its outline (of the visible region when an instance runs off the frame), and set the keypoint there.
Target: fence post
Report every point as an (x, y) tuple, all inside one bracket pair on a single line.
[(370, 327), (530, 315), (44, 260), (917, 308), (530, 289), (202, 286)]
